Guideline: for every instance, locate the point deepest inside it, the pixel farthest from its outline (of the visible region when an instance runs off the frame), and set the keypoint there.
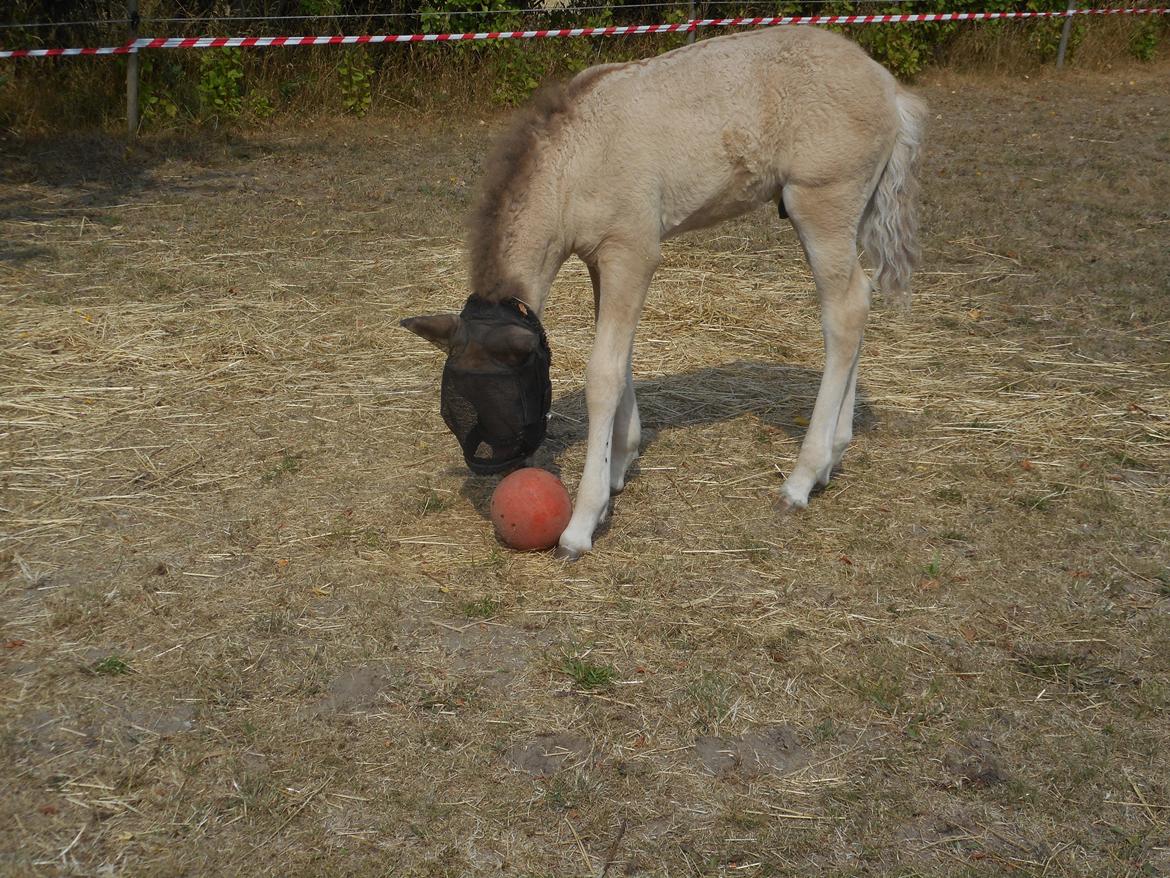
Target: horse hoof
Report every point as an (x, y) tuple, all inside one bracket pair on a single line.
[(785, 505), (564, 554)]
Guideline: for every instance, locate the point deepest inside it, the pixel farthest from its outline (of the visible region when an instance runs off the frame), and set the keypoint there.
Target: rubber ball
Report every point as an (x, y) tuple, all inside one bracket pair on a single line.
[(530, 508)]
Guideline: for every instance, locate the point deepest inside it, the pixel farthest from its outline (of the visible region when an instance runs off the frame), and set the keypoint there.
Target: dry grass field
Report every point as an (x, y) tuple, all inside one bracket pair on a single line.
[(255, 622)]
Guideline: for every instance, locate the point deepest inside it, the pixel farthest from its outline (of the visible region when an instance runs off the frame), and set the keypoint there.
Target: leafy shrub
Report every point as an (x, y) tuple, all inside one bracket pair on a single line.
[(1143, 42), (904, 48), (260, 107), (160, 79), (356, 75), (221, 82), (321, 7)]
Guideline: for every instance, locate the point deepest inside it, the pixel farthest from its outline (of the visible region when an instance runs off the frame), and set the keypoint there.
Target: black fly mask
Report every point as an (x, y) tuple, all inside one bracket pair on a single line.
[(498, 408)]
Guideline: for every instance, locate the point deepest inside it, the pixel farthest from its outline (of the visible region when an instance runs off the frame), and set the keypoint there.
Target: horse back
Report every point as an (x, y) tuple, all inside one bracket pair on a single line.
[(712, 130)]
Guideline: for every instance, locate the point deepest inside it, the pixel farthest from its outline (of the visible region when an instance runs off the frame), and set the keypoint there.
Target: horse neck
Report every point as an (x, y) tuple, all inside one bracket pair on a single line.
[(520, 255)]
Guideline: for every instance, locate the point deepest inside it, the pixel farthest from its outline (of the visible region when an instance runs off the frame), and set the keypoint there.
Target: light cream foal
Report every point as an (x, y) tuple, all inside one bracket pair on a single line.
[(627, 155)]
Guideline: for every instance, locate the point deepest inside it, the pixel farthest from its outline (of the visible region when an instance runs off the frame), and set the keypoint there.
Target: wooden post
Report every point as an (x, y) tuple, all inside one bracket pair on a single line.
[(132, 71), (691, 32), (1064, 33)]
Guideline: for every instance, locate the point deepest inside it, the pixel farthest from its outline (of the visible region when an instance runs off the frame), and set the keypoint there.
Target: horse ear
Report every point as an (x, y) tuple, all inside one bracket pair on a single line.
[(438, 329)]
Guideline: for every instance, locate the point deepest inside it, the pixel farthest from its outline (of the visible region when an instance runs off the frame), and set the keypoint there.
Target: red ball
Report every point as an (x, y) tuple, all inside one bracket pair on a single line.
[(530, 508)]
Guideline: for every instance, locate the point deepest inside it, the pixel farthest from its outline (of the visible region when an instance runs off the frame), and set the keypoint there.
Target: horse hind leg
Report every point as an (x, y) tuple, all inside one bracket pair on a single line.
[(826, 220), (843, 435)]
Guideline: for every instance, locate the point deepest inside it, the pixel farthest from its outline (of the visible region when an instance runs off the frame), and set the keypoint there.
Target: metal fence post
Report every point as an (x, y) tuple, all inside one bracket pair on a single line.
[(691, 32), (1064, 33), (132, 71)]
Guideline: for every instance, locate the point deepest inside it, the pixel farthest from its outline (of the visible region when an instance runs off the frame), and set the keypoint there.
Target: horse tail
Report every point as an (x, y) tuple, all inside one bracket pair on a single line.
[(889, 227)]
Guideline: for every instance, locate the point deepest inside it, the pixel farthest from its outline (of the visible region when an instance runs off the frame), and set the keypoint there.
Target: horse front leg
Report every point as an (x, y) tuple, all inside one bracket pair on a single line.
[(609, 394), (627, 424), (627, 435)]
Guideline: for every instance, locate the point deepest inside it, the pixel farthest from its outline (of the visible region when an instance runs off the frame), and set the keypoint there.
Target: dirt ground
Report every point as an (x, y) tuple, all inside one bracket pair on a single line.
[(255, 621)]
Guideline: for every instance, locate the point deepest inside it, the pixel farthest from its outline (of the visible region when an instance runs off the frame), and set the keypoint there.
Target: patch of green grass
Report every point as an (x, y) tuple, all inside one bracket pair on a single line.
[(277, 622), (949, 495), (934, 568), (371, 539), (826, 730), (367, 538), (777, 645), (882, 690), (586, 674), (427, 501), (1163, 577), (288, 465), (558, 795), (710, 696), (484, 608), (1040, 502), (111, 666), (1055, 664), (566, 791), (1151, 699), (252, 791), (495, 558)]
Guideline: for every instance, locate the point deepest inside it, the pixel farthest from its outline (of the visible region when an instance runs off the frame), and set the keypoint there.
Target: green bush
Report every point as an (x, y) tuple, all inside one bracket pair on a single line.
[(356, 75), (160, 79), (260, 107), (221, 82), (321, 7), (1143, 42)]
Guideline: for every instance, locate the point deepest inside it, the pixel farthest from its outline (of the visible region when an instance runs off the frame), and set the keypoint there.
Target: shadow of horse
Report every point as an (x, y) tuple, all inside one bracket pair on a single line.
[(775, 394), (93, 174)]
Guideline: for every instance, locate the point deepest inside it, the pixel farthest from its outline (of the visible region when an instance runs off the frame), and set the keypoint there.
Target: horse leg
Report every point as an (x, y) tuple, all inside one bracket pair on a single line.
[(625, 276), (627, 433), (843, 435), (627, 425), (826, 219)]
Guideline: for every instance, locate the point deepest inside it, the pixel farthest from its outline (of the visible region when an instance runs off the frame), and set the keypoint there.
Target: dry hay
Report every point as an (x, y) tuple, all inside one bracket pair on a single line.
[(142, 406), (255, 619), (311, 428)]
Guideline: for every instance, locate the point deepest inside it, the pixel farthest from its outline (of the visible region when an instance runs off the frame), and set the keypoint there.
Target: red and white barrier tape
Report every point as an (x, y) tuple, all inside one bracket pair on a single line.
[(612, 31)]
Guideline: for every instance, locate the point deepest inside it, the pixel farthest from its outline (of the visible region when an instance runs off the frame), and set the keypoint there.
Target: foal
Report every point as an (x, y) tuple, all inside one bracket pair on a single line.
[(627, 155)]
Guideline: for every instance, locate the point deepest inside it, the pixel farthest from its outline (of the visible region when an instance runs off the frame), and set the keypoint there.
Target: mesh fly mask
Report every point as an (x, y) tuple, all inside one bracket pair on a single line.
[(498, 411)]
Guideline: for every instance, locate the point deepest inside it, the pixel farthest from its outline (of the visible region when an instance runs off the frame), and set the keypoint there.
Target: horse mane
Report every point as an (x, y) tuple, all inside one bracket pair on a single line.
[(507, 175)]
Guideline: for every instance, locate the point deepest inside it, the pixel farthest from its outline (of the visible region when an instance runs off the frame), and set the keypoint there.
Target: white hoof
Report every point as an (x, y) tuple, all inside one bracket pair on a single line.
[(571, 550), (572, 545), (564, 553), (791, 499), (785, 506)]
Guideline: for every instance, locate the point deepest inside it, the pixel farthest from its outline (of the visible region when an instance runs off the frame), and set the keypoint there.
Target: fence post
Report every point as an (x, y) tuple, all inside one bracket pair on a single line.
[(132, 71), (1064, 33), (691, 32)]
